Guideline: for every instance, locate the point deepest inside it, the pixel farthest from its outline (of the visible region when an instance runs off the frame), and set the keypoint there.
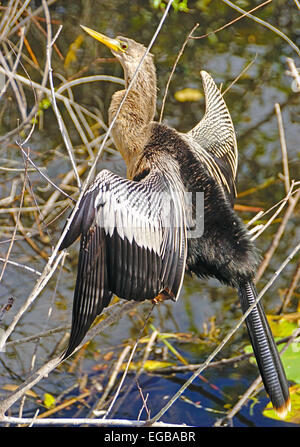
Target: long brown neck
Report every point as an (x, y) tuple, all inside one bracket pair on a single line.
[(131, 130)]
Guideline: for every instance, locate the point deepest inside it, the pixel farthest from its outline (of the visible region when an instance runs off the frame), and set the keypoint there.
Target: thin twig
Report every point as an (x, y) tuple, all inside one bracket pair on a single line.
[(144, 400), (239, 75), (173, 69), (42, 174), (265, 24), (291, 289), (23, 266), (232, 21), (283, 148), (275, 241), (16, 225), (10, 74), (277, 212), (34, 337), (25, 20), (128, 363), (37, 95), (112, 378), (62, 127), (140, 370), (297, 4)]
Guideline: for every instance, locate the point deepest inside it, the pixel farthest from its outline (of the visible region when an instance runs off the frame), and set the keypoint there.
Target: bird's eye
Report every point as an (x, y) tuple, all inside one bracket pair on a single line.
[(124, 45)]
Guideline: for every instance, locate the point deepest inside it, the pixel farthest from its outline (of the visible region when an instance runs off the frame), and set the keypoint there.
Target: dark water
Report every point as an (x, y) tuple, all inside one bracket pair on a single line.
[(251, 102)]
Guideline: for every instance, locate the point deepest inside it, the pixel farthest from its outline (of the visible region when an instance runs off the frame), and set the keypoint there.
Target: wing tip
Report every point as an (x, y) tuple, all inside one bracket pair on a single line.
[(66, 353), (73, 343), (206, 78), (284, 409), (204, 74)]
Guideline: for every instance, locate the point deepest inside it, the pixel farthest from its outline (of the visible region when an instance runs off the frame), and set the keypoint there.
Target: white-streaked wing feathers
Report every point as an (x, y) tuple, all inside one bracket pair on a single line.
[(215, 137), (139, 211), (133, 244)]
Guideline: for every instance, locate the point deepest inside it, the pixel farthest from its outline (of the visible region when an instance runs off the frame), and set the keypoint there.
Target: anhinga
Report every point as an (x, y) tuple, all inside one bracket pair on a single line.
[(134, 232)]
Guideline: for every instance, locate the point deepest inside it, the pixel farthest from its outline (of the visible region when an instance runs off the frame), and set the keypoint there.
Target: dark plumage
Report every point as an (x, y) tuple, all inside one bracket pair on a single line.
[(137, 234)]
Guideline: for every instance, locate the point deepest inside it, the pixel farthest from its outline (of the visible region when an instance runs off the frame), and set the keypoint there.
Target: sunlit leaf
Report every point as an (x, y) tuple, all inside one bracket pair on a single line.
[(294, 415), (188, 94), (49, 401), (152, 365), (149, 365), (283, 325), (291, 361)]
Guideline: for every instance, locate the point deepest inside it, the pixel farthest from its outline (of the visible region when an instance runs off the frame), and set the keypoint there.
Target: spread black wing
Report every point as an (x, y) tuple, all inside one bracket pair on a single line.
[(132, 244)]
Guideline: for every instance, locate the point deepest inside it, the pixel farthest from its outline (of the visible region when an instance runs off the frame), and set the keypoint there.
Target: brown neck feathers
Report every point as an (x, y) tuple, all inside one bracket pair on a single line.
[(131, 130)]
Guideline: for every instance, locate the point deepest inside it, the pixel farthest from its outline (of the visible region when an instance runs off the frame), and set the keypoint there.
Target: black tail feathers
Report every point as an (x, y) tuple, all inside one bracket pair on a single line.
[(265, 350)]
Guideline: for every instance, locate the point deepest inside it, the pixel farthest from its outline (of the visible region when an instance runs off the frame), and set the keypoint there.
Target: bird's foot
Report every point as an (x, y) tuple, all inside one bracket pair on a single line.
[(164, 295)]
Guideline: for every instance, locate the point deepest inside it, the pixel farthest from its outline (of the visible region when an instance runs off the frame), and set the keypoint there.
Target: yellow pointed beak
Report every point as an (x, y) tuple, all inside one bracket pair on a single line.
[(113, 44)]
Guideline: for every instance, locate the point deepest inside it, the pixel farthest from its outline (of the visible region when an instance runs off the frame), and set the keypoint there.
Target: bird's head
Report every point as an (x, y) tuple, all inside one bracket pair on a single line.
[(127, 51)]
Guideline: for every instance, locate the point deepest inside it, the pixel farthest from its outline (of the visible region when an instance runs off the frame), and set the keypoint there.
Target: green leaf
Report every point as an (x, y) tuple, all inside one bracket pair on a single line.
[(177, 5), (45, 104), (49, 401), (290, 359), (283, 325), (157, 4), (294, 415)]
